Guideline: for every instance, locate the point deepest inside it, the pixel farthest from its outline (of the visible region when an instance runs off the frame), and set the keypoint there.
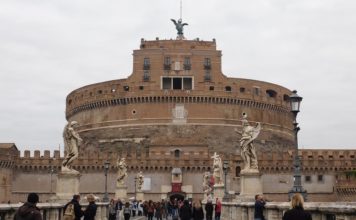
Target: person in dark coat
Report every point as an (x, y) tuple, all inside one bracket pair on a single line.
[(127, 211), (259, 207), (185, 211), (29, 210), (198, 213), (90, 211), (209, 210), (77, 207), (297, 212), (112, 211)]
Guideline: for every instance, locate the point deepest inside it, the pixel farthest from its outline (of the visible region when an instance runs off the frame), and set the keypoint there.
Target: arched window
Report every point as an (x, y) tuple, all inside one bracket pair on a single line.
[(271, 93), (177, 153), (238, 171), (228, 88), (286, 98)]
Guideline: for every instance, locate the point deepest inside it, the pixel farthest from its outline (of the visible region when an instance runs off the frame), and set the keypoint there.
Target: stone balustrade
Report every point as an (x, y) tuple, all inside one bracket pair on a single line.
[(275, 210), (50, 211), (230, 211)]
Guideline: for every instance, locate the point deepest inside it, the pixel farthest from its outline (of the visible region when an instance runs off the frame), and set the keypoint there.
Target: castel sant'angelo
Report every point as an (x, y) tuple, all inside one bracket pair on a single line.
[(168, 118)]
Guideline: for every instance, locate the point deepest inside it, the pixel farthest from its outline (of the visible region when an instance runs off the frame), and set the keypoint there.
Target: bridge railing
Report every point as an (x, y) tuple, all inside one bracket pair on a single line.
[(275, 210)]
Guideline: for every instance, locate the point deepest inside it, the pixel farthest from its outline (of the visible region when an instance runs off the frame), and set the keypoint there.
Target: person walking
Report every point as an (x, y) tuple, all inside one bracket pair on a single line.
[(112, 211), (73, 210), (150, 210), (198, 213), (159, 211), (217, 209), (209, 210), (29, 210), (127, 211), (259, 207), (90, 211), (118, 208), (297, 211), (140, 208), (185, 211)]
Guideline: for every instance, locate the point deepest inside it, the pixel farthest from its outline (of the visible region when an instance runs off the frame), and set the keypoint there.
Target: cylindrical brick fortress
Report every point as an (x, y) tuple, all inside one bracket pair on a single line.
[(178, 96)]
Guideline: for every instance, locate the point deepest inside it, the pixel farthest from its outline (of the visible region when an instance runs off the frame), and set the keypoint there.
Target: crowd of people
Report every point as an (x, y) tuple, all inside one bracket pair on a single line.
[(165, 209)]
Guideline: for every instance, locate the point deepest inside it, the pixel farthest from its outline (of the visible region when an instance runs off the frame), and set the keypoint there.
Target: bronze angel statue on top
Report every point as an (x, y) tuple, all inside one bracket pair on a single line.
[(179, 26)]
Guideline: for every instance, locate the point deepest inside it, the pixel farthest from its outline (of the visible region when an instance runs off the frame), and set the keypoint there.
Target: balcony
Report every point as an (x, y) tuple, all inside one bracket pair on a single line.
[(207, 66), (187, 66), (167, 66)]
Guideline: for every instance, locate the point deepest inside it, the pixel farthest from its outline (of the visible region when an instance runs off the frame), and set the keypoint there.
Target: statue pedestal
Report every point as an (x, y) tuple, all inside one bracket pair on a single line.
[(219, 191), (207, 196), (140, 196), (251, 185), (67, 185), (121, 192)]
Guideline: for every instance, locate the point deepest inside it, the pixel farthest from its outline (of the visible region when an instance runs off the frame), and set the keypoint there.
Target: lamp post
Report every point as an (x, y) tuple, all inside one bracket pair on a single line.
[(106, 167), (225, 168), (135, 186), (297, 183)]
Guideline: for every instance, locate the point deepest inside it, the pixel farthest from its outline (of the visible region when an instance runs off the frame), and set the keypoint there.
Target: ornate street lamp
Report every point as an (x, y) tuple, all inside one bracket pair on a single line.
[(135, 186), (106, 167), (225, 168), (297, 184)]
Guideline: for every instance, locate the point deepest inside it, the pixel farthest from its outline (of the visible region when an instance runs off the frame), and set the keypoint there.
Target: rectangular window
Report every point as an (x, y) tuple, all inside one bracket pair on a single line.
[(167, 63), (256, 90), (308, 179), (177, 83), (166, 83), (146, 63), (207, 61), (207, 77), (187, 65), (146, 76), (187, 83), (320, 178)]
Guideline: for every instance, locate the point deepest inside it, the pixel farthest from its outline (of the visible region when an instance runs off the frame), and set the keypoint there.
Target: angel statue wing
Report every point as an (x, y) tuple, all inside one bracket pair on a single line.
[(184, 24), (256, 131), (174, 21)]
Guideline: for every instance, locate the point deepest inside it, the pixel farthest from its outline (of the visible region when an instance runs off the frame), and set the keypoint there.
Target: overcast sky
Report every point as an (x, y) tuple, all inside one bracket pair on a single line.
[(49, 48)]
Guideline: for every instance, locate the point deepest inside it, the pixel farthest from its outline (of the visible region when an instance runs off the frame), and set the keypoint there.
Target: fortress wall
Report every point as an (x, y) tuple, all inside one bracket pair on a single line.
[(33, 173)]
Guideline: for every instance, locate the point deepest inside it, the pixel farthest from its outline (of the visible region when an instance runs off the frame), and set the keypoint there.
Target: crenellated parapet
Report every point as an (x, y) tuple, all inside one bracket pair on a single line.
[(8, 155), (191, 159)]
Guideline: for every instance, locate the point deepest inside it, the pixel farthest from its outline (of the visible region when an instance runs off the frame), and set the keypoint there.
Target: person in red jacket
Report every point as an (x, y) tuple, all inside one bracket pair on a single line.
[(217, 209)]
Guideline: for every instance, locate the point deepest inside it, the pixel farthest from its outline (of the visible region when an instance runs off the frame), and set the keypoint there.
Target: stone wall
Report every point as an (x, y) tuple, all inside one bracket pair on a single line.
[(37, 171)]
